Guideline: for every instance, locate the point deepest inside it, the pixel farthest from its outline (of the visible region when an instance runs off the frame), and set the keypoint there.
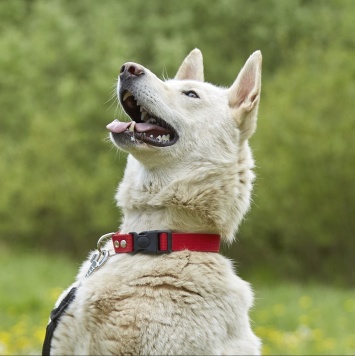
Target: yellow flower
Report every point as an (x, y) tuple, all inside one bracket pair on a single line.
[(266, 350), (317, 334), (304, 319), (329, 344), (305, 302), (39, 333)]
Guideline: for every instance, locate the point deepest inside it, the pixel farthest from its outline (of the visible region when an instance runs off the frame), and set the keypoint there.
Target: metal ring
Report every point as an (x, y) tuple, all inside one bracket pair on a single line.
[(102, 238)]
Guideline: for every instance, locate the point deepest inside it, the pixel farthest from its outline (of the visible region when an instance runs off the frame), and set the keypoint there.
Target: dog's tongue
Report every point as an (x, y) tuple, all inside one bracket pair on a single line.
[(151, 129), (118, 127)]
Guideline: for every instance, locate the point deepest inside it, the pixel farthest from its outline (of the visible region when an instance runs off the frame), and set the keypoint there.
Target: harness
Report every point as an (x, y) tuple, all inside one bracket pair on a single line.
[(56, 313), (150, 242)]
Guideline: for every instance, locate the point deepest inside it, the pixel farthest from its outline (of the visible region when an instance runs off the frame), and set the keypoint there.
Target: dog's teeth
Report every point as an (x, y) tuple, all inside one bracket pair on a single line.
[(133, 124), (159, 138), (166, 138), (151, 121), (151, 136), (143, 115), (127, 95)]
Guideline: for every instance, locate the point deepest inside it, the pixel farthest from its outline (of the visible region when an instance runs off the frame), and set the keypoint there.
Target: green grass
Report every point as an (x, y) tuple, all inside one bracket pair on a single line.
[(30, 284), (290, 318), (309, 319)]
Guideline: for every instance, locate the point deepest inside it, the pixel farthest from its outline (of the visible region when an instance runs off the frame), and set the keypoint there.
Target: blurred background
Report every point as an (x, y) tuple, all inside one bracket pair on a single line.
[(59, 62)]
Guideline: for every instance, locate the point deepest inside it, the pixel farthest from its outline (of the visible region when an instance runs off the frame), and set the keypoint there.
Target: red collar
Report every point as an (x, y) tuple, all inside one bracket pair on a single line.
[(164, 241)]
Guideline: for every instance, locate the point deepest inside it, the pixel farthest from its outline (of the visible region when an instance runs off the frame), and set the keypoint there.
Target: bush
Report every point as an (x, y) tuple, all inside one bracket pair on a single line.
[(58, 68)]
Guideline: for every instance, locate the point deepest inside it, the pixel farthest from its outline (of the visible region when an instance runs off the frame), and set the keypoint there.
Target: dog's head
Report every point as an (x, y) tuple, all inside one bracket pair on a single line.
[(191, 168), (170, 118)]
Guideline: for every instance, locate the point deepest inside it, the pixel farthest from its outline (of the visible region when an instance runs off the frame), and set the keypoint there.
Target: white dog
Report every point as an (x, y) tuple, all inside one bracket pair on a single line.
[(189, 170)]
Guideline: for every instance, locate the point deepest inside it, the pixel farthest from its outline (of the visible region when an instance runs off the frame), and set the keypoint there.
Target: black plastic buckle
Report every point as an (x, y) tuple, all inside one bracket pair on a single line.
[(148, 241)]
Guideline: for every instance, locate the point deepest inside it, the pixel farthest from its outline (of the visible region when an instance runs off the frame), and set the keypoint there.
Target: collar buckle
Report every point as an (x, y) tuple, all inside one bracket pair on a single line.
[(151, 241)]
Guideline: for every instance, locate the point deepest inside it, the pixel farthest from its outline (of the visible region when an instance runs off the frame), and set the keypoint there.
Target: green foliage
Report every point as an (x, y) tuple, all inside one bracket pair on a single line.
[(58, 67), (304, 200)]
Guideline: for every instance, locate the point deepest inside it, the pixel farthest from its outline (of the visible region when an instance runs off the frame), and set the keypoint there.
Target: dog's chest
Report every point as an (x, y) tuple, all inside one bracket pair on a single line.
[(140, 303)]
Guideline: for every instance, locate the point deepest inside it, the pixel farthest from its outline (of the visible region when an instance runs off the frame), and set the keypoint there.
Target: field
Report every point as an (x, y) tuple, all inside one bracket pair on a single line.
[(290, 318)]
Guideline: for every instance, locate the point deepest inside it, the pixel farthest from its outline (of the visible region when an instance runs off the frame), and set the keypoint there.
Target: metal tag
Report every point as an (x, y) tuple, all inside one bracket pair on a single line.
[(98, 259)]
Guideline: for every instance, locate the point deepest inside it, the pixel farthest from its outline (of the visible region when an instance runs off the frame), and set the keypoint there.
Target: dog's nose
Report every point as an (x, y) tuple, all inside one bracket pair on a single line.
[(131, 69)]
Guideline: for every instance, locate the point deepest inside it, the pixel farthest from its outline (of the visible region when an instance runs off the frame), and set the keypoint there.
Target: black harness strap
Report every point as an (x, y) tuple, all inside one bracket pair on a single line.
[(55, 316)]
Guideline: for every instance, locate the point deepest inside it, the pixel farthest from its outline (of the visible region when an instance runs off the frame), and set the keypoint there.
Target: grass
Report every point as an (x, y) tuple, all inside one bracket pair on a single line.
[(290, 318), (309, 319), (31, 283)]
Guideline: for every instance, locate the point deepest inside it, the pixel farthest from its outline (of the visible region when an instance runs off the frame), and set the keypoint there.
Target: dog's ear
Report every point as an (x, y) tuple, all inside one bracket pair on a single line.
[(192, 67), (244, 95)]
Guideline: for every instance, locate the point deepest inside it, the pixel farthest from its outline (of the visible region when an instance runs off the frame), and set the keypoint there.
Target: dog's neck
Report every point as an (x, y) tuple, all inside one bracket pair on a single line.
[(210, 196)]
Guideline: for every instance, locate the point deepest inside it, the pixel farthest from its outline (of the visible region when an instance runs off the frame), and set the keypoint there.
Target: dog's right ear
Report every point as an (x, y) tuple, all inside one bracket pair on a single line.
[(192, 67), (244, 95)]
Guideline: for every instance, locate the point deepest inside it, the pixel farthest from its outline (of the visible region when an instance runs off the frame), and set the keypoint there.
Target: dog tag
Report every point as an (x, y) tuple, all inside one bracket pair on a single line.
[(97, 260)]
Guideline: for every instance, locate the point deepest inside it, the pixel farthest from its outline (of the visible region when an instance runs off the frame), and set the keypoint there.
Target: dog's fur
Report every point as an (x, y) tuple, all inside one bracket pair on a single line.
[(183, 303)]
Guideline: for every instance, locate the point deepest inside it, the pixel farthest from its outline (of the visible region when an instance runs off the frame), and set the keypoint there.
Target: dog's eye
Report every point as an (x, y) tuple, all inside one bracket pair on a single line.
[(191, 94)]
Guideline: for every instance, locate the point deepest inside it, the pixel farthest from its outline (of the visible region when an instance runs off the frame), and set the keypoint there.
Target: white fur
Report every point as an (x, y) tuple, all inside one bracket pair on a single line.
[(184, 303)]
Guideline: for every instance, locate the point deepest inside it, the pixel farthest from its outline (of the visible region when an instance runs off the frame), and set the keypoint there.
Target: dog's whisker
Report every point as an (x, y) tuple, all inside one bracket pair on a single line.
[(165, 74), (113, 98)]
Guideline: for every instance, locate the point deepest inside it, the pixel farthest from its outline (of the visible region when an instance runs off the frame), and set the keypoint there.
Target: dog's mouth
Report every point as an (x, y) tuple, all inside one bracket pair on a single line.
[(144, 126)]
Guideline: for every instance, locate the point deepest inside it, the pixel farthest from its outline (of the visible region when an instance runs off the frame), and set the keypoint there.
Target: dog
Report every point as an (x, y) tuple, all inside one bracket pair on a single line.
[(189, 170)]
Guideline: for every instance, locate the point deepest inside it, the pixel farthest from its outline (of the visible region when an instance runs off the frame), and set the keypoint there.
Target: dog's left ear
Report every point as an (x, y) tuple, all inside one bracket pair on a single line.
[(192, 67), (244, 95)]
